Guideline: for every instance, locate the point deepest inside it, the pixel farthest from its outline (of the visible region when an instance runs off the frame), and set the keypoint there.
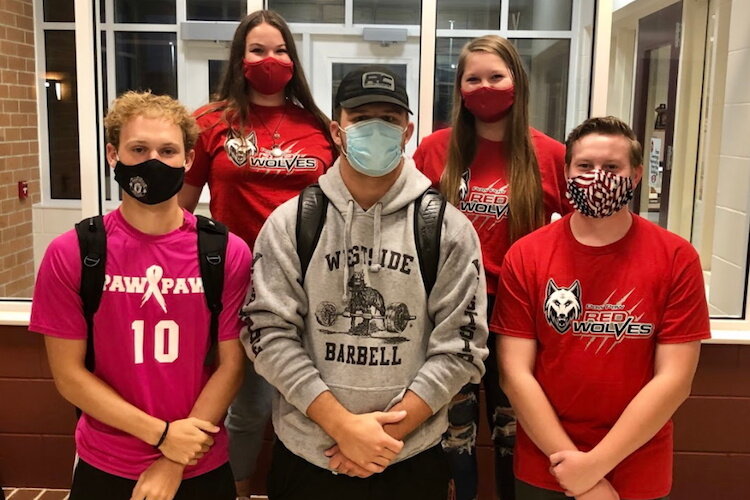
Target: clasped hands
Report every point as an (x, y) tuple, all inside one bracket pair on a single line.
[(363, 447), (579, 474), (186, 442)]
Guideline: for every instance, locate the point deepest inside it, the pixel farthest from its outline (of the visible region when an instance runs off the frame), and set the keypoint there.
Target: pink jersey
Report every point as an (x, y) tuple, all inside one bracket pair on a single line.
[(151, 332)]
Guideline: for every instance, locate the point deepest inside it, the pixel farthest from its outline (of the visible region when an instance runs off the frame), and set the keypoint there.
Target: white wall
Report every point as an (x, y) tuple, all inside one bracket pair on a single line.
[(729, 259)]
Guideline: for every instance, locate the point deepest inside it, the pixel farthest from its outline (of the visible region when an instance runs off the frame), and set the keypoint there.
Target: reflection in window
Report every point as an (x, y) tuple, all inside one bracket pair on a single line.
[(387, 12), (59, 11), (539, 14), (62, 114), (146, 61), (215, 72), (216, 10), (145, 11), (547, 64), (309, 11), (446, 58), (468, 14), (340, 70)]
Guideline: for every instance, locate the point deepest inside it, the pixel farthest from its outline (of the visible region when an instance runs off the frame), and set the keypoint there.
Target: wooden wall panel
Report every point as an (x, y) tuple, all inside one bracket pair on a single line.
[(711, 428), (26, 416), (716, 425), (723, 370), (704, 476)]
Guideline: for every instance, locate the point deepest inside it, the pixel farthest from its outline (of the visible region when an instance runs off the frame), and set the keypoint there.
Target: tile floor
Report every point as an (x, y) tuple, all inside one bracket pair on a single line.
[(41, 494), (34, 494)]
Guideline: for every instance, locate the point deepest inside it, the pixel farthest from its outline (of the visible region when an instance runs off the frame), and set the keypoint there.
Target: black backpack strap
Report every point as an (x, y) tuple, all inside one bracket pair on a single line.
[(92, 241), (428, 225), (311, 216), (212, 251)]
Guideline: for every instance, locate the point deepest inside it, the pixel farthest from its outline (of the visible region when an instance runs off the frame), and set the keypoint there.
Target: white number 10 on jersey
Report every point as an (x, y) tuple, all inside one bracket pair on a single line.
[(166, 341)]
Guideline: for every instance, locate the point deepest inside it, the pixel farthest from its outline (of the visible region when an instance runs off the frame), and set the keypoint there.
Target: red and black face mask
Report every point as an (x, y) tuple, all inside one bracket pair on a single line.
[(489, 104), (268, 76)]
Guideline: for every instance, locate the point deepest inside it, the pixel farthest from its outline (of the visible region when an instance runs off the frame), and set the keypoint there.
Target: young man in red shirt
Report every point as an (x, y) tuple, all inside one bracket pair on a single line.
[(601, 316)]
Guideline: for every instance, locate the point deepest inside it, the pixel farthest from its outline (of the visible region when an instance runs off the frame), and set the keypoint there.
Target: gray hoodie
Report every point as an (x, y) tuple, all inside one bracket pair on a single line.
[(365, 331)]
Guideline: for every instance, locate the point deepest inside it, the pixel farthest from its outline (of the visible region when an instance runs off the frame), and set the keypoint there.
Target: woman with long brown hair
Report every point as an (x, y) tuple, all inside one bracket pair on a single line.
[(262, 141), (508, 179)]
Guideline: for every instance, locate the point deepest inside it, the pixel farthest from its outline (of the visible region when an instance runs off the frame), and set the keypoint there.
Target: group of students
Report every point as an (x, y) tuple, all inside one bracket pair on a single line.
[(365, 328)]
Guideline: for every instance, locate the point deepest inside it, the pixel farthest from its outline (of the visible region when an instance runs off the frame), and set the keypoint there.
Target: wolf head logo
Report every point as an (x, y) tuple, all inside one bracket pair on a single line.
[(463, 188), (562, 305), (239, 147)]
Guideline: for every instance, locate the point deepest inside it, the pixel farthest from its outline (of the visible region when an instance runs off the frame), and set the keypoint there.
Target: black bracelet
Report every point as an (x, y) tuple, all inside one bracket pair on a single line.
[(163, 435)]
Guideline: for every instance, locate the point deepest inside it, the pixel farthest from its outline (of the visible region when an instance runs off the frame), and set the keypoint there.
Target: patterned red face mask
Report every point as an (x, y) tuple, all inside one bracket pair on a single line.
[(268, 76), (599, 194)]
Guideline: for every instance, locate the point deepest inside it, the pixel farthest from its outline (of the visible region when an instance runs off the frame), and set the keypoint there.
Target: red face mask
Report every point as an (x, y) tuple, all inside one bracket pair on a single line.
[(268, 76), (489, 104)]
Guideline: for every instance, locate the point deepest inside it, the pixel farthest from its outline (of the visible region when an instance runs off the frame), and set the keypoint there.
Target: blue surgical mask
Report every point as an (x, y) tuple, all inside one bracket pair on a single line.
[(373, 147)]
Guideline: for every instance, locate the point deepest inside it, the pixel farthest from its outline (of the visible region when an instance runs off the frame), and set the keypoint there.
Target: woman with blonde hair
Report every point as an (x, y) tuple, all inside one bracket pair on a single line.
[(508, 179), (262, 141)]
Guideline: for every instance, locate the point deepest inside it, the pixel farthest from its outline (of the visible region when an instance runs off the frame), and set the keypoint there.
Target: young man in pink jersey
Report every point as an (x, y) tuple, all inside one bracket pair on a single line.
[(151, 405), (601, 316)]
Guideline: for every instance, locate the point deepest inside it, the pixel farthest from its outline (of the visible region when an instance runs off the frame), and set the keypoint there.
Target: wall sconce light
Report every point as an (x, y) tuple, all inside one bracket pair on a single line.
[(57, 85)]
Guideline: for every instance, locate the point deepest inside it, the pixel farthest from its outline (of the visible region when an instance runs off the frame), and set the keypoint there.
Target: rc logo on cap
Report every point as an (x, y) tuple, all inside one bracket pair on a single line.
[(377, 80)]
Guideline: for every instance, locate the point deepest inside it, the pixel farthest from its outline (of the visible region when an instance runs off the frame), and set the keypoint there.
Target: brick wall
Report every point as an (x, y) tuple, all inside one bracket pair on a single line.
[(19, 158)]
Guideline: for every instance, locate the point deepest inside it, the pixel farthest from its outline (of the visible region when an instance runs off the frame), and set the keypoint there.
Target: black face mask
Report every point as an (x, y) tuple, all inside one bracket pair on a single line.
[(150, 182)]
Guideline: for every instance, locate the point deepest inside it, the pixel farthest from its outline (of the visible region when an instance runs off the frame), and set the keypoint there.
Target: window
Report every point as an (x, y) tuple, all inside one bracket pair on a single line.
[(547, 60), (387, 12), (62, 114), (216, 10), (540, 14), (310, 11), (145, 11), (146, 61), (468, 15)]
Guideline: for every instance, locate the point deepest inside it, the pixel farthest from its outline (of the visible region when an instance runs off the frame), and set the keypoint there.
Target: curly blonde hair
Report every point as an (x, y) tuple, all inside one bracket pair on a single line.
[(132, 104)]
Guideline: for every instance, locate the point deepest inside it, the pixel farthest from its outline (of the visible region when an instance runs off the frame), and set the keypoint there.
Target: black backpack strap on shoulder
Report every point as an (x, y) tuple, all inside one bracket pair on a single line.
[(212, 251), (428, 225), (92, 241), (311, 216)]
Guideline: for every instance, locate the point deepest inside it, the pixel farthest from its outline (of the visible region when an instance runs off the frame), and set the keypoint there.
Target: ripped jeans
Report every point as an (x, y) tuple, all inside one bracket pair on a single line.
[(459, 441)]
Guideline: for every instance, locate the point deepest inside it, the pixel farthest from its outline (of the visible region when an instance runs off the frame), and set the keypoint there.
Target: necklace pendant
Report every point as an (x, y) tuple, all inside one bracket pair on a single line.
[(276, 151)]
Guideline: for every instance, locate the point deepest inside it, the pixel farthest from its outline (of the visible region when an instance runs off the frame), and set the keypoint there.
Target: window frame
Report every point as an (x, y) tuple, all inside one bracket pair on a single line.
[(93, 198)]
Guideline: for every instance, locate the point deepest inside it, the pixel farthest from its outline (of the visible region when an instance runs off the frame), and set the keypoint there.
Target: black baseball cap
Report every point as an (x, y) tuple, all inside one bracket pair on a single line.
[(369, 84)]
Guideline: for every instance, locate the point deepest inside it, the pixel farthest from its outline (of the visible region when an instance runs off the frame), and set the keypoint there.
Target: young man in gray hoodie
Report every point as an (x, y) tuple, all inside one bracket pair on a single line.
[(365, 361)]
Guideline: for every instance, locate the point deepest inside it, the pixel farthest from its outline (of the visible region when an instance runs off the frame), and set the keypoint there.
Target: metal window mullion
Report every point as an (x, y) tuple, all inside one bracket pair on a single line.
[(182, 76), (348, 13), (111, 69), (144, 28), (100, 133), (428, 39), (504, 8), (87, 123), (48, 26), (307, 56), (45, 173), (575, 66)]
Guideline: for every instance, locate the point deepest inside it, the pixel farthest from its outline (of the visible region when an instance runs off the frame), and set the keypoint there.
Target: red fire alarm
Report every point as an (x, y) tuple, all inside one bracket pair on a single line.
[(23, 190)]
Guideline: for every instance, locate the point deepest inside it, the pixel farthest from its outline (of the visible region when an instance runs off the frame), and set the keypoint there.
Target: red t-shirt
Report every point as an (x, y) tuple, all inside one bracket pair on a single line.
[(597, 314), (486, 200), (247, 182)]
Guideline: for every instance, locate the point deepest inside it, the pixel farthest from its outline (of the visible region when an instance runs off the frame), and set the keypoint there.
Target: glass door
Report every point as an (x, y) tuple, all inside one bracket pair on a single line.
[(333, 57), (658, 60)]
